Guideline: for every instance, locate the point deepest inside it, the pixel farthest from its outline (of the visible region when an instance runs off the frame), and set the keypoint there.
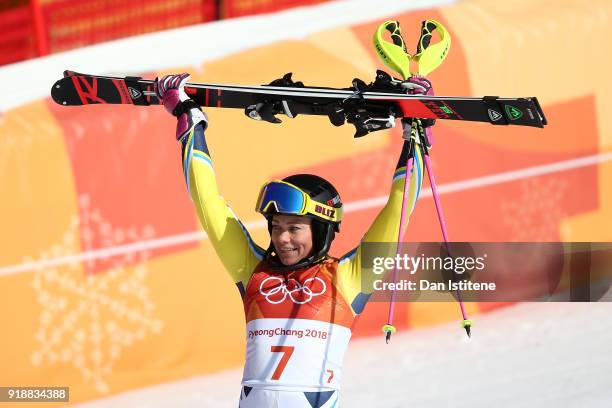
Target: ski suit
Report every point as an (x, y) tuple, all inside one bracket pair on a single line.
[(298, 323)]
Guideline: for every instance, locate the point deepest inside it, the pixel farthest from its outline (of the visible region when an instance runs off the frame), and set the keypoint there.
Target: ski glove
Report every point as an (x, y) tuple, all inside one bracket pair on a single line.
[(418, 85), (170, 90)]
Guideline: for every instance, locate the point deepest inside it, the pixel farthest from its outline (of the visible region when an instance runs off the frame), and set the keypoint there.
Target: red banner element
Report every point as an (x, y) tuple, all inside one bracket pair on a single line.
[(128, 176)]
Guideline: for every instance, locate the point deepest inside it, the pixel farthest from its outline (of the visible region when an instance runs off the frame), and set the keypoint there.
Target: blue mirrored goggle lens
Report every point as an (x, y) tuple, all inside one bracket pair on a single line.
[(285, 199)]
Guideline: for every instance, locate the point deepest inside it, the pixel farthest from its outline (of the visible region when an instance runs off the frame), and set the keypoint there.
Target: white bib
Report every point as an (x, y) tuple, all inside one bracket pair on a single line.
[(294, 354)]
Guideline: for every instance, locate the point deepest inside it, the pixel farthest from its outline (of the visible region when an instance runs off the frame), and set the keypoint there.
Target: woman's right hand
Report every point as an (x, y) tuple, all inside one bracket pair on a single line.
[(170, 90)]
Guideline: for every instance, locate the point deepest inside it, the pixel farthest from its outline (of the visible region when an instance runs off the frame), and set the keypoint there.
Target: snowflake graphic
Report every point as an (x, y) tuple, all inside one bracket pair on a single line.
[(535, 215), (87, 319)]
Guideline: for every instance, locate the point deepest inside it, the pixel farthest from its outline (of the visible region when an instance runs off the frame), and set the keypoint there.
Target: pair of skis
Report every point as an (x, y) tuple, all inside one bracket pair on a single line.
[(369, 107), (357, 104)]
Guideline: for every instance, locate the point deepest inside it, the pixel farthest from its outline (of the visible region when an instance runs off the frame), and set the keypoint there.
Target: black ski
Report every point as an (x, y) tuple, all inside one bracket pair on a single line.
[(360, 103)]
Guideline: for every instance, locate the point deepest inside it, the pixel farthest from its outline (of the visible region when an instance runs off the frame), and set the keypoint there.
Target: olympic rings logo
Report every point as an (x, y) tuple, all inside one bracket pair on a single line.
[(273, 295)]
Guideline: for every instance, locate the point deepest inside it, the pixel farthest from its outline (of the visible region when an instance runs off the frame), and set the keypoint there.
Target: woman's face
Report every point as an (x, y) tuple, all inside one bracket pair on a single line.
[(292, 237)]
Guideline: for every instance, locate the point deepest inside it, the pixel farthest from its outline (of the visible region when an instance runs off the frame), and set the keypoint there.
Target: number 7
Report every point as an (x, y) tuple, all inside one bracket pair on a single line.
[(288, 351)]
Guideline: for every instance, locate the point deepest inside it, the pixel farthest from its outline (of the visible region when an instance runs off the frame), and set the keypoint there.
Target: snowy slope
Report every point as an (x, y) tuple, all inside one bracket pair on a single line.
[(528, 355)]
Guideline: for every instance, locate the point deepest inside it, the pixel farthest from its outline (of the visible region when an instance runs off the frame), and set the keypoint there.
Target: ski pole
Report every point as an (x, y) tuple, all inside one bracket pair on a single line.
[(396, 57), (426, 134), (429, 57), (388, 328)]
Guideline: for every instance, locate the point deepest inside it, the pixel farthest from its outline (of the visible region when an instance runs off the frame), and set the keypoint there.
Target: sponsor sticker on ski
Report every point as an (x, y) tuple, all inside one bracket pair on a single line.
[(135, 93), (494, 115), (513, 112), (441, 110)]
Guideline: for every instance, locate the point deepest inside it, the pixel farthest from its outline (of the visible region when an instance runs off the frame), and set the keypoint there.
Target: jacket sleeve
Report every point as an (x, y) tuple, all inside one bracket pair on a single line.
[(358, 286), (232, 242)]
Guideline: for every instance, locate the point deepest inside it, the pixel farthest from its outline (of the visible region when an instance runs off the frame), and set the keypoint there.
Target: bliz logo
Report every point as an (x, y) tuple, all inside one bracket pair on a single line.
[(135, 93), (325, 211)]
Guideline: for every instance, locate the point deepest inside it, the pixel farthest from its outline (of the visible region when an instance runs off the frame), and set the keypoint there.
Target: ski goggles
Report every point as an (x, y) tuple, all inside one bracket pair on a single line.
[(285, 198)]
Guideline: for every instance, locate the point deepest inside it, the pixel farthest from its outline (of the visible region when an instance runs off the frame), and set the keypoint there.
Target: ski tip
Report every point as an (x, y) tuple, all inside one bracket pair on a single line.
[(467, 325), (543, 121), (56, 92), (69, 73), (388, 329)]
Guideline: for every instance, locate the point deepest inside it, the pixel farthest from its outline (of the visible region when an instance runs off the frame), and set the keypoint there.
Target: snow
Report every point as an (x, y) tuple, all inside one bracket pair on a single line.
[(527, 355)]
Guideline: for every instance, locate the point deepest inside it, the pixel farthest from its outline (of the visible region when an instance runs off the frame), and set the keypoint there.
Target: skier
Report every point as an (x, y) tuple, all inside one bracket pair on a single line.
[(299, 302)]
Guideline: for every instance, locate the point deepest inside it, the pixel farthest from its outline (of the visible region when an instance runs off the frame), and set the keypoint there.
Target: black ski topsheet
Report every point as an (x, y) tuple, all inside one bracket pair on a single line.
[(80, 89)]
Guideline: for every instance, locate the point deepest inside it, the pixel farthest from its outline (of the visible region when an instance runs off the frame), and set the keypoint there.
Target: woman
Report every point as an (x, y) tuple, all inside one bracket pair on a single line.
[(299, 302)]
